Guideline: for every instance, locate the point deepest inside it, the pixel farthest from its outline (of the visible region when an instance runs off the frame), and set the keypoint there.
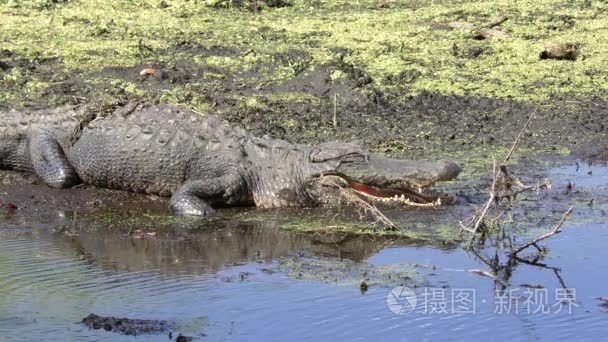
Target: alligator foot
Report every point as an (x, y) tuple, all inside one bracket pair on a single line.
[(188, 200), (190, 205), (196, 197), (50, 163)]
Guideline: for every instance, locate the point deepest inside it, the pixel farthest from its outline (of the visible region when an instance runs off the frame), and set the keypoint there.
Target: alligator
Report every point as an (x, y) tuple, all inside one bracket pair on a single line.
[(203, 162), (129, 326)]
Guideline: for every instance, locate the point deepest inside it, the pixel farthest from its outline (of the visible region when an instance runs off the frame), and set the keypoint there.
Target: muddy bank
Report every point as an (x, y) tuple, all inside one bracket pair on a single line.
[(83, 209), (129, 217)]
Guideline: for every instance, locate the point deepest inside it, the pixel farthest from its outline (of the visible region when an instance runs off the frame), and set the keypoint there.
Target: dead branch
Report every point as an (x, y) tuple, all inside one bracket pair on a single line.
[(484, 31), (484, 211), (366, 207), (502, 183), (489, 275), (496, 22), (483, 273), (521, 133), (363, 206), (553, 232)]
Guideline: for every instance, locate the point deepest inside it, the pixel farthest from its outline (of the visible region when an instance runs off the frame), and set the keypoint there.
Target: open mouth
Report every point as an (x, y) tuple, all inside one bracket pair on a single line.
[(402, 195)]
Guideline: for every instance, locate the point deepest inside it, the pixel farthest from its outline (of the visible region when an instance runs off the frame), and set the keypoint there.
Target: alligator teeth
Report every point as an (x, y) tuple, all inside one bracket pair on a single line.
[(419, 190), (404, 200)]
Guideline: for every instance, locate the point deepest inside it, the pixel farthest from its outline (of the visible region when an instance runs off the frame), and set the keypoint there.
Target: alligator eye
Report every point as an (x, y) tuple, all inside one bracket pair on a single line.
[(337, 151), (354, 158)]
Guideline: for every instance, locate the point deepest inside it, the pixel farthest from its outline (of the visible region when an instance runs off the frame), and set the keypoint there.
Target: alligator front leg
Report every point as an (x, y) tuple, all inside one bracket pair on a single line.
[(49, 161), (195, 197)]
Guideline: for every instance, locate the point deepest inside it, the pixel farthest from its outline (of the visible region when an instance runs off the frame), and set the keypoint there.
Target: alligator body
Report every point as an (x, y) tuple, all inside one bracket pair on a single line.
[(202, 161)]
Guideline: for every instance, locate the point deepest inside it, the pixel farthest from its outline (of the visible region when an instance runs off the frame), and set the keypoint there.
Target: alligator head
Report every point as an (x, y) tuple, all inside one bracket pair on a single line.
[(376, 178)]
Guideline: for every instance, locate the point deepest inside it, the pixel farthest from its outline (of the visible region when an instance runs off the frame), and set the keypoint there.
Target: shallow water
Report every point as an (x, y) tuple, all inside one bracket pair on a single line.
[(254, 281)]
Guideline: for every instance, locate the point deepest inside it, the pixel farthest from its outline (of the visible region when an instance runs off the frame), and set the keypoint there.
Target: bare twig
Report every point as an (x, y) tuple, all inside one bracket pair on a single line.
[(489, 275), (366, 207), (484, 31), (496, 22), (521, 133), (500, 174), (484, 211), (335, 117), (351, 198), (553, 232)]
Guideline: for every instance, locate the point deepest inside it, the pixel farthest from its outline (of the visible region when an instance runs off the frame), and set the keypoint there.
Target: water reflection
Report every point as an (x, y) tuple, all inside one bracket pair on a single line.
[(214, 247), (60, 262)]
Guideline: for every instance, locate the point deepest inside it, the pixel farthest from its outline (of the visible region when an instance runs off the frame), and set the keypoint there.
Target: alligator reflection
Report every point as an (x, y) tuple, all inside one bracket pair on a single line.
[(227, 244)]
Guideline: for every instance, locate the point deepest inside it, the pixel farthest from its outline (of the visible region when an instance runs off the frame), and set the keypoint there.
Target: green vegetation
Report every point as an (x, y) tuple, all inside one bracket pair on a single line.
[(402, 46)]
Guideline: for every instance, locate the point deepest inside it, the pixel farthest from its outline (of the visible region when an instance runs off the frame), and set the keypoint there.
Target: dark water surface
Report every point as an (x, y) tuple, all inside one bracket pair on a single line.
[(254, 281)]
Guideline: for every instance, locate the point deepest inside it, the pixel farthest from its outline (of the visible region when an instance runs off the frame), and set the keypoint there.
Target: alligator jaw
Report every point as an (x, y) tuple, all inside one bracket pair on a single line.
[(400, 195)]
